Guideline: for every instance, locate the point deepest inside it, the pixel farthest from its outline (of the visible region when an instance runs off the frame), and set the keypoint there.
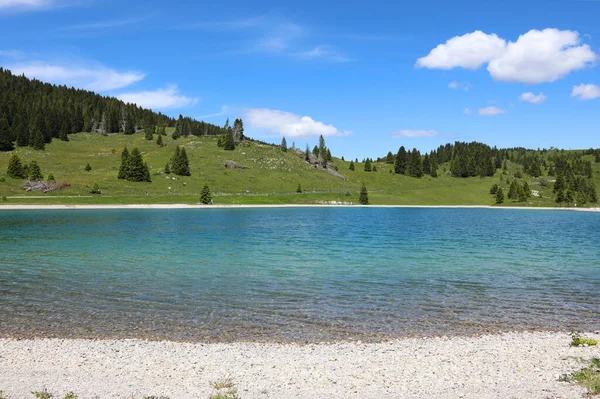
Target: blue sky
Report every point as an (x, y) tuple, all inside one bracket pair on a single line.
[(369, 76)]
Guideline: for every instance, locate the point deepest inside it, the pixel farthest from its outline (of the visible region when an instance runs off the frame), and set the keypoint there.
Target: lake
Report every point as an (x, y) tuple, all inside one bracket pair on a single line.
[(296, 274)]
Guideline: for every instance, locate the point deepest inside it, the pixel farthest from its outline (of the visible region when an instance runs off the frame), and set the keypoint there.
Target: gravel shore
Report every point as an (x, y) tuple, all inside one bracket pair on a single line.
[(510, 365)]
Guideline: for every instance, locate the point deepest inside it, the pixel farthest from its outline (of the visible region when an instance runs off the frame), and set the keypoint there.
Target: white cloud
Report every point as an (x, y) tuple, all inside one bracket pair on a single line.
[(288, 124), (468, 111), (24, 3), (415, 133), (322, 53), (491, 111), (541, 56), (468, 51), (158, 99), (586, 92), (95, 78), (529, 97), (459, 85), (536, 57)]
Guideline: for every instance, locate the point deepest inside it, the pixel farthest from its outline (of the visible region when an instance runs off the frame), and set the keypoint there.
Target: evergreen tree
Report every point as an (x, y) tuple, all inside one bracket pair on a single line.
[(6, 141), (124, 168), (597, 160), (521, 195), (159, 140), (35, 173), (205, 195), (389, 159), (414, 164), (513, 191), (137, 170), (315, 151), (238, 130), (167, 169), (307, 154), (22, 134), (367, 165), (434, 168), (284, 145), (15, 168), (374, 168), (526, 189), (229, 144), (499, 196), (494, 189), (50, 177), (149, 133), (38, 142), (364, 195), (95, 189), (401, 161), (299, 189), (180, 164), (560, 197), (559, 184), (129, 126), (351, 167), (88, 167), (426, 165), (569, 197), (65, 130), (322, 148)]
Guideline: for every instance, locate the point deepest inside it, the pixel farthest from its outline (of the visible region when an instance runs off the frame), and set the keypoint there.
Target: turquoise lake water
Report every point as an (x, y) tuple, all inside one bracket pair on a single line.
[(296, 274)]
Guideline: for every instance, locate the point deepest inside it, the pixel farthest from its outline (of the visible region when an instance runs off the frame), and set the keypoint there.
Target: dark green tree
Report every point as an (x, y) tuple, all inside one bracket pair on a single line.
[(180, 165), (129, 126), (38, 142), (6, 136), (95, 189), (351, 167), (494, 189), (137, 170), (499, 196), (229, 144), (205, 195), (526, 189), (513, 191), (65, 130), (50, 177), (15, 168), (414, 164), (426, 165), (401, 161), (22, 134), (159, 140), (124, 168), (88, 167), (284, 145), (299, 189), (307, 154), (149, 133), (167, 169), (367, 165), (363, 198), (35, 173)]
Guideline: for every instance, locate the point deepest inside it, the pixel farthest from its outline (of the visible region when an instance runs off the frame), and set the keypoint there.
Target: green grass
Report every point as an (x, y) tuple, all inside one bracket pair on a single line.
[(272, 177), (578, 340), (588, 377)]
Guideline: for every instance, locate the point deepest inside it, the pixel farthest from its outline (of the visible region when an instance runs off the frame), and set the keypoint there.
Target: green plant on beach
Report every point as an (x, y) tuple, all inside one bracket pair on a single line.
[(70, 395), (588, 377), (578, 340), (152, 396), (2, 396), (225, 389), (42, 394)]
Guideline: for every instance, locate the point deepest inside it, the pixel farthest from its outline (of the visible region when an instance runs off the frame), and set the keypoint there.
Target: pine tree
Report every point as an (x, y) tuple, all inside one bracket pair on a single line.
[(307, 154), (401, 161), (129, 126), (229, 144), (374, 168), (88, 167), (513, 191), (521, 194), (205, 195), (426, 165), (414, 164), (526, 189), (15, 168), (180, 164), (50, 177), (22, 134), (569, 197), (367, 165), (364, 195), (322, 148), (159, 140), (167, 169), (35, 173), (560, 197), (95, 189), (499, 196), (38, 142), (434, 167), (149, 133), (494, 189), (65, 129), (124, 168), (138, 170), (238, 130), (284, 145), (6, 141), (299, 189), (351, 167)]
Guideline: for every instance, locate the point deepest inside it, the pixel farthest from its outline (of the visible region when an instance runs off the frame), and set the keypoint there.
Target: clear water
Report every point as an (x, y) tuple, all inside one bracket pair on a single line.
[(296, 274)]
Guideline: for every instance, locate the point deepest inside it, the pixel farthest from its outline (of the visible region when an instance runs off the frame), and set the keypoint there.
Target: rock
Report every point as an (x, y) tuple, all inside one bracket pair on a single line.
[(234, 165)]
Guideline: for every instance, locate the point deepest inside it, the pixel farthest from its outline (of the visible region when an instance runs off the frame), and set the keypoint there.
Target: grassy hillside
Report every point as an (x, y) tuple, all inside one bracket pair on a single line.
[(271, 178)]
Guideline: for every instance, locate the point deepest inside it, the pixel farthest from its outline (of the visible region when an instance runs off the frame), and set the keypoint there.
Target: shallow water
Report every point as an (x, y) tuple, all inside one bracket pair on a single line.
[(296, 274)]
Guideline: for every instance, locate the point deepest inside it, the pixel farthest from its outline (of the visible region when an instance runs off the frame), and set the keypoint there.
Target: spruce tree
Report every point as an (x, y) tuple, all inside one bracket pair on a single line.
[(167, 169), (401, 161), (38, 142), (180, 163), (159, 140), (299, 189), (22, 134), (205, 195), (229, 144), (521, 194), (129, 126), (426, 165), (526, 189), (65, 129), (367, 165), (499, 196), (364, 195), (513, 191), (307, 154), (284, 145), (6, 141), (35, 173), (95, 189), (569, 197), (494, 189), (351, 167), (149, 133), (15, 168), (138, 170), (124, 168), (88, 167)]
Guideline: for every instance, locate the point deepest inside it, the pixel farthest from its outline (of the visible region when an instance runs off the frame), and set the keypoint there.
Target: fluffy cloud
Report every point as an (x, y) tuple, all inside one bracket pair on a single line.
[(158, 99), (586, 92), (491, 111), (288, 124), (97, 78), (24, 3), (468, 51), (541, 56), (536, 57), (415, 133), (529, 97)]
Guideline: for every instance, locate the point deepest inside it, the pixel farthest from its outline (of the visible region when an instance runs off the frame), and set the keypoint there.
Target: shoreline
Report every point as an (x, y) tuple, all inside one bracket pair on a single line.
[(250, 206), (510, 364)]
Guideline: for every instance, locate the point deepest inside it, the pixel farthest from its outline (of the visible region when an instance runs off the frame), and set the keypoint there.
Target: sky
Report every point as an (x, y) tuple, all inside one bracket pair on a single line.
[(368, 76)]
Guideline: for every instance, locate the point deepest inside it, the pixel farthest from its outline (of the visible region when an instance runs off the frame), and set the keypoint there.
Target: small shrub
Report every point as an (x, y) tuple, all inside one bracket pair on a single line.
[(42, 394), (95, 189), (225, 389), (578, 340), (50, 177), (4, 199), (88, 167), (299, 189), (70, 395), (2, 179), (519, 174)]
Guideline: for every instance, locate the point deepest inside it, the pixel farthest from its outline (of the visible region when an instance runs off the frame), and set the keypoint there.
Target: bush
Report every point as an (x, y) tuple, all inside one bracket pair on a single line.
[(95, 189), (578, 340), (88, 167), (50, 177)]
